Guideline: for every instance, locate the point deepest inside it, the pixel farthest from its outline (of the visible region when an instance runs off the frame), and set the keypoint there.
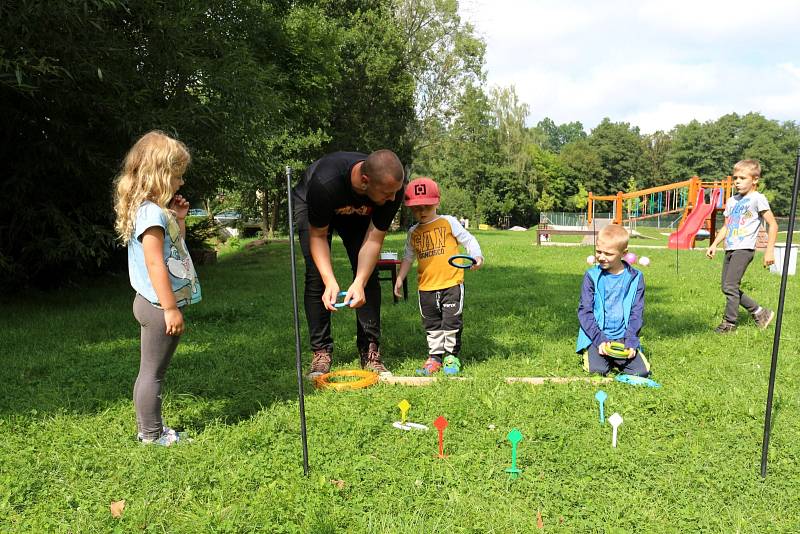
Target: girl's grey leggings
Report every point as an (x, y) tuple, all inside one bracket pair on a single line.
[(157, 351)]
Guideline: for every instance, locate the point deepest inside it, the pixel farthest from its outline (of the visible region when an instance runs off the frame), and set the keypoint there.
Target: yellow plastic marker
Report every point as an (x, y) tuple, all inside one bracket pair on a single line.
[(404, 405)]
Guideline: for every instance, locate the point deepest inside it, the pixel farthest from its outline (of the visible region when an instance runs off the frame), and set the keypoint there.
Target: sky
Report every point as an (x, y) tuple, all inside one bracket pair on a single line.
[(653, 64)]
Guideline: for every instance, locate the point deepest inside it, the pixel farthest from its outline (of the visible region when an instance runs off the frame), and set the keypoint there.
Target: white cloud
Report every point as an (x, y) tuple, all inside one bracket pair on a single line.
[(652, 63)]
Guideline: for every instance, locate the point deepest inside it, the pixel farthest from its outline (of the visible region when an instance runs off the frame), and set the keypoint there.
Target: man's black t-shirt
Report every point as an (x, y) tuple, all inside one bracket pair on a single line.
[(328, 193)]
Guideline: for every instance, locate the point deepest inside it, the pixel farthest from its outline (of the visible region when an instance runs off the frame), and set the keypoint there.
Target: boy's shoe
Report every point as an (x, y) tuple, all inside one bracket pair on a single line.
[(168, 437), (452, 365), (725, 328), (371, 360), (763, 317), (432, 366), (320, 364)]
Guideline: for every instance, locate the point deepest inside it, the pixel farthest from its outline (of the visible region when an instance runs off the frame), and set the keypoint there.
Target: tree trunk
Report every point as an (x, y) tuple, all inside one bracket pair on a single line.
[(273, 222), (265, 215)]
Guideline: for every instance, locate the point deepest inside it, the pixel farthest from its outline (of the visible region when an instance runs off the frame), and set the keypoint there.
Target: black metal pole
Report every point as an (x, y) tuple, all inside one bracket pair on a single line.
[(776, 340), (298, 362)]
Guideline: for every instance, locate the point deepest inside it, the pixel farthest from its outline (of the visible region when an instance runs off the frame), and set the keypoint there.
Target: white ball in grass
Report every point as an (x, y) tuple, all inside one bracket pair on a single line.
[(590, 259), (644, 260)]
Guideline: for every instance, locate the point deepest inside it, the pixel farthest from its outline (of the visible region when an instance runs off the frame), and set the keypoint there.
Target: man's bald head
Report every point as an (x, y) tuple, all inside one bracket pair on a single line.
[(383, 165)]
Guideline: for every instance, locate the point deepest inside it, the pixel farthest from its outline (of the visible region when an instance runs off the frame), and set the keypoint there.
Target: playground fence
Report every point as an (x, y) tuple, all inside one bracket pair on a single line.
[(564, 218)]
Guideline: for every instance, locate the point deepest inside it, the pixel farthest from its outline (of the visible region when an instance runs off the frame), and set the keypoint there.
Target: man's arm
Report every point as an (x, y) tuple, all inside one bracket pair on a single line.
[(321, 254), (772, 236)]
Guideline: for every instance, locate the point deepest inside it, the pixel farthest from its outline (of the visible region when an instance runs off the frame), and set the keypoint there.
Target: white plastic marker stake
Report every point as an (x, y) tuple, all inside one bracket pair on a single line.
[(615, 420), (404, 405)]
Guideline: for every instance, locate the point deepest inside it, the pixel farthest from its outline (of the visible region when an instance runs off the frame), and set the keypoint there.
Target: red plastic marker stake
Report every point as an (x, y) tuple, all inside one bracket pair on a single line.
[(441, 424)]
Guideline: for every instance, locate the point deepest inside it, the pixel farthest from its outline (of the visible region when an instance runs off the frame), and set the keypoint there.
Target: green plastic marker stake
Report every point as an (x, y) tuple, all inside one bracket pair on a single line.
[(404, 405), (515, 436)]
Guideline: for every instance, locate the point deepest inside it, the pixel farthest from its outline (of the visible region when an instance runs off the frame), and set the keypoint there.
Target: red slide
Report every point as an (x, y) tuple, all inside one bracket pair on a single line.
[(683, 238)]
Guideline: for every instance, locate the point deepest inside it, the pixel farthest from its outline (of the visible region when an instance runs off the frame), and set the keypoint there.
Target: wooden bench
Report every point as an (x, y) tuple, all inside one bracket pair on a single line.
[(548, 231)]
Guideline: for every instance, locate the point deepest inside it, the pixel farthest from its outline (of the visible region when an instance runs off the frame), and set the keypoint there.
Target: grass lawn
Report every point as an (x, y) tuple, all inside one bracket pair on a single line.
[(687, 459)]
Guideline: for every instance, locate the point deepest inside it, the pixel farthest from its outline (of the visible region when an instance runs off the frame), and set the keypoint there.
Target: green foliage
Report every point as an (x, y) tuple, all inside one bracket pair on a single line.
[(710, 150), (250, 86), (687, 458), (554, 136), (200, 233)]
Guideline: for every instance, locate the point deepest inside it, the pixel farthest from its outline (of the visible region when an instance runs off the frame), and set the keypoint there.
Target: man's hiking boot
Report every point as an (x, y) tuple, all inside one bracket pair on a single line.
[(763, 317), (320, 364), (725, 328), (371, 359)]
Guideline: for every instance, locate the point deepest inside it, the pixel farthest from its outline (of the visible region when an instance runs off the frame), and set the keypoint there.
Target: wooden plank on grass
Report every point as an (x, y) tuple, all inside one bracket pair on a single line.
[(540, 380), (534, 380), (415, 380)]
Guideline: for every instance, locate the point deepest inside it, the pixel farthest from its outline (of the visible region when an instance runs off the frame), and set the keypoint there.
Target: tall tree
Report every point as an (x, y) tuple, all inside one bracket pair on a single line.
[(619, 147), (554, 137)]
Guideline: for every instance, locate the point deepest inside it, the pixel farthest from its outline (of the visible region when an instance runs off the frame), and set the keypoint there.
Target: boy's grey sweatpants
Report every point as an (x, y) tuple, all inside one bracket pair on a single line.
[(156, 352), (733, 268)]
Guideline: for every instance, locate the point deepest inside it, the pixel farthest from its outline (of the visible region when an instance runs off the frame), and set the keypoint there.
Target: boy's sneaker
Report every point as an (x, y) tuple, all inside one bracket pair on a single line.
[(763, 317), (371, 360), (432, 366), (167, 438), (320, 364), (725, 328), (452, 365)]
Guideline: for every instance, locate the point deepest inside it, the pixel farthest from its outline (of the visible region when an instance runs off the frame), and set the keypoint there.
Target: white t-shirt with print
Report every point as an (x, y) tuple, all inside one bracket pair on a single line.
[(743, 216)]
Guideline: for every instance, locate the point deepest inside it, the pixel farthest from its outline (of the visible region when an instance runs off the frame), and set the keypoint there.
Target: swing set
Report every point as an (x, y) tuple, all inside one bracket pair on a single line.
[(679, 197)]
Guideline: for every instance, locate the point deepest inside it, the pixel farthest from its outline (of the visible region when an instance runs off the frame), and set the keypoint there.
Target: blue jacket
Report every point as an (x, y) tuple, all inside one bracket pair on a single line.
[(591, 310)]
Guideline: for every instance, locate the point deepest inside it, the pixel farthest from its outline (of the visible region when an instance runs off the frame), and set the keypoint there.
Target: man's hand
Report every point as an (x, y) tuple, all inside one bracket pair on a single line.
[(602, 348), (711, 251), (477, 264), (355, 295), (330, 295)]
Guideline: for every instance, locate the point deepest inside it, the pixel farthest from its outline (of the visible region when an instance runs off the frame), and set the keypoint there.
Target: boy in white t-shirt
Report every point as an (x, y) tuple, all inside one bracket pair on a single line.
[(744, 213)]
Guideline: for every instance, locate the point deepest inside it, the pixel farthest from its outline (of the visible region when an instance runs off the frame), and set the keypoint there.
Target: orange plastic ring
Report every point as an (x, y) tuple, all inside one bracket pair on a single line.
[(367, 379)]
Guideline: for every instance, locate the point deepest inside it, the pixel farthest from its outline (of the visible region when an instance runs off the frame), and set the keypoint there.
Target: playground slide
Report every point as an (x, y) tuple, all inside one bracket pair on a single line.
[(683, 238)]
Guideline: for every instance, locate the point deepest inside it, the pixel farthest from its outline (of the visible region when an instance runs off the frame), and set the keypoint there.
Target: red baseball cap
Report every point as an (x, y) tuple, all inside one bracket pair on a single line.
[(422, 192)]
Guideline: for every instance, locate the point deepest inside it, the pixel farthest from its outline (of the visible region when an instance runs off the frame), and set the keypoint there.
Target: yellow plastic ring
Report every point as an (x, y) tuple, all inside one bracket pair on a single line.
[(367, 379)]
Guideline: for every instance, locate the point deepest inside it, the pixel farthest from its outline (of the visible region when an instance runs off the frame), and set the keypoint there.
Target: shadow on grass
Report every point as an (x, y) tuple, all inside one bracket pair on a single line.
[(238, 356)]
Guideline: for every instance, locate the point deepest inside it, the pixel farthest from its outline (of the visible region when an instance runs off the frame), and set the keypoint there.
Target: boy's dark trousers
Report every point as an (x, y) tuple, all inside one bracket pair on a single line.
[(352, 230), (442, 319), (733, 268), (597, 363)]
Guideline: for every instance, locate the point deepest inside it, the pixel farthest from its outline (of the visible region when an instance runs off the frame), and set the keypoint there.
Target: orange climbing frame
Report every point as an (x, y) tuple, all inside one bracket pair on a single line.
[(694, 184)]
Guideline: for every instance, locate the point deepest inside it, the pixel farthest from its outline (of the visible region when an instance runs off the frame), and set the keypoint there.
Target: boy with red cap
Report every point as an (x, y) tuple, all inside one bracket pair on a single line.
[(433, 241)]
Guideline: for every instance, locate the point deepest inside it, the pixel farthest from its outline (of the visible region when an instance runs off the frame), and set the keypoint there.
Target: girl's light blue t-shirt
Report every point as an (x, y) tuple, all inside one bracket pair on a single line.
[(180, 269)]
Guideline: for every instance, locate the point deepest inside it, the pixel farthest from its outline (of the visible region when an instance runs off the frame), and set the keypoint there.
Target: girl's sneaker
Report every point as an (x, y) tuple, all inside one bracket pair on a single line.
[(452, 365), (432, 366), (167, 438)]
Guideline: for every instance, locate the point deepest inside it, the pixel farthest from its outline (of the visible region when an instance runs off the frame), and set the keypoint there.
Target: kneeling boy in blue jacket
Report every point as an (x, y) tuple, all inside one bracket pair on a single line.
[(611, 308)]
